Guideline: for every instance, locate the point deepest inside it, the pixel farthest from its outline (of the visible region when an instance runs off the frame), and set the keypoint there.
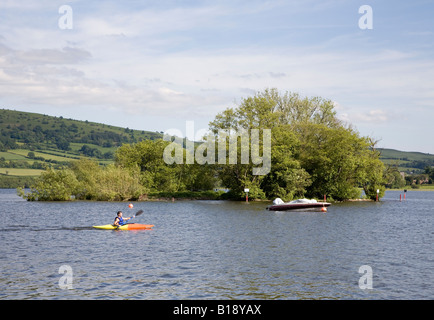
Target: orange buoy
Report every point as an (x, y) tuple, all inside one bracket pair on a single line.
[(130, 206), (323, 209)]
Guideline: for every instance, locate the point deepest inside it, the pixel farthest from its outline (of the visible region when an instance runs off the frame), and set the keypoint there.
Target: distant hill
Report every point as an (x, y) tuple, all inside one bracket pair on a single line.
[(29, 142), (57, 132), (410, 162)]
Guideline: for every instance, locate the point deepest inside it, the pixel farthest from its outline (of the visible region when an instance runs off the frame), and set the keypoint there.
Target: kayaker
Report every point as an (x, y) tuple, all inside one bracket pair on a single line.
[(119, 220)]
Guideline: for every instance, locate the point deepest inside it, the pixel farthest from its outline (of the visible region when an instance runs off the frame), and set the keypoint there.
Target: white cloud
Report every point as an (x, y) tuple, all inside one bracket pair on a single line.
[(203, 81), (372, 116)]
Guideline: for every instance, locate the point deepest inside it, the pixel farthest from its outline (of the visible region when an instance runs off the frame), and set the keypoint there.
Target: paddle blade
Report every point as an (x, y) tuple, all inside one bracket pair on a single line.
[(138, 213)]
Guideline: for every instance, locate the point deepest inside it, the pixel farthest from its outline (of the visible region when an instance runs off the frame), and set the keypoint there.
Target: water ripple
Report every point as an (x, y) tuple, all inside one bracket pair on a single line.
[(218, 250)]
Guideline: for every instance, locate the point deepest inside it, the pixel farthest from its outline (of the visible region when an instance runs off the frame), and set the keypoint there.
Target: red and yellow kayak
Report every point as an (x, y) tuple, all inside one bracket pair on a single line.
[(128, 226)]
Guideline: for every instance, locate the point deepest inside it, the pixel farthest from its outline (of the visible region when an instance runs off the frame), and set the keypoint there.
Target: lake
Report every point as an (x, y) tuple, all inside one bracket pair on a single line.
[(218, 250)]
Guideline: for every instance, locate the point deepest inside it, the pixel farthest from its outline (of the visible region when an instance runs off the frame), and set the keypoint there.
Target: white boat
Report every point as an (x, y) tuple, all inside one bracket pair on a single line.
[(299, 204)]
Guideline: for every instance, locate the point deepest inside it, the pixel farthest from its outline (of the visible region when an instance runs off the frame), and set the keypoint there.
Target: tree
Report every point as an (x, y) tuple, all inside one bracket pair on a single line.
[(265, 110), (430, 172), (270, 108), (199, 177), (338, 160), (146, 157), (287, 179), (90, 151), (313, 152), (393, 178), (62, 144), (105, 183), (53, 185), (86, 180)]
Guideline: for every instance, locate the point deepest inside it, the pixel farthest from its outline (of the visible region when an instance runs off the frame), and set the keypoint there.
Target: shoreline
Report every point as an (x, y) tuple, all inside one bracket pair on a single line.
[(218, 197)]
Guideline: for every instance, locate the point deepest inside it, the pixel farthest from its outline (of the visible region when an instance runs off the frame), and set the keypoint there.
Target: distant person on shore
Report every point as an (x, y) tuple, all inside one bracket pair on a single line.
[(119, 220)]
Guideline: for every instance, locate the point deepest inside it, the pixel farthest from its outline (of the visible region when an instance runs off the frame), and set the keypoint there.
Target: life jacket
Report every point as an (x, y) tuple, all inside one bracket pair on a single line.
[(121, 220)]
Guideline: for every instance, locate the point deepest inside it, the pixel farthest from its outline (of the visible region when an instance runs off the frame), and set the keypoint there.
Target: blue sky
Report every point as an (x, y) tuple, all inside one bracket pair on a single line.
[(153, 65)]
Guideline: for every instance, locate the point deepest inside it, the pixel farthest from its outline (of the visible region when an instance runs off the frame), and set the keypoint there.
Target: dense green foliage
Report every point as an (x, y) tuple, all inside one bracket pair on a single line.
[(85, 180), (146, 157), (312, 154), (139, 170), (430, 172)]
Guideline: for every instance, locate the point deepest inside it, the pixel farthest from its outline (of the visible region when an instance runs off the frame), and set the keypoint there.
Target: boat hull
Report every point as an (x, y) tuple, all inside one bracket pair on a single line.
[(298, 206), (129, 226)]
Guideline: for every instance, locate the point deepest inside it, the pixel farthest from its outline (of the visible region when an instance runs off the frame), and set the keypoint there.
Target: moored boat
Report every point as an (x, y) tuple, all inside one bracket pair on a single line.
[(299, 205)]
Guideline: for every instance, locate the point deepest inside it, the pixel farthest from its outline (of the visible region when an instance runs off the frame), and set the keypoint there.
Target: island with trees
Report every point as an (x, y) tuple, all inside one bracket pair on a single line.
[(313, 154)]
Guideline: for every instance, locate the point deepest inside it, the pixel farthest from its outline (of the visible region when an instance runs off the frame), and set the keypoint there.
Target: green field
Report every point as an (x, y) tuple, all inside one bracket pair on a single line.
[(75, 147), (47, 155), (20, 172), (11, 156)]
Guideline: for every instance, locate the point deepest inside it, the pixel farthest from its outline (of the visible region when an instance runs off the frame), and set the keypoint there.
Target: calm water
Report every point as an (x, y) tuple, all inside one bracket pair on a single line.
[(218, 250)]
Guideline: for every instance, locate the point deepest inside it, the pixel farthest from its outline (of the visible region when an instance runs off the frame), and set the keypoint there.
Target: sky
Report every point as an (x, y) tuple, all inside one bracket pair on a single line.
[(154, 65)]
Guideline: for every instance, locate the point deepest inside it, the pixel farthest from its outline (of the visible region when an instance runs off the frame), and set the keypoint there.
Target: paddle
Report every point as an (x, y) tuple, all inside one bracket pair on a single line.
[(138, 213)]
